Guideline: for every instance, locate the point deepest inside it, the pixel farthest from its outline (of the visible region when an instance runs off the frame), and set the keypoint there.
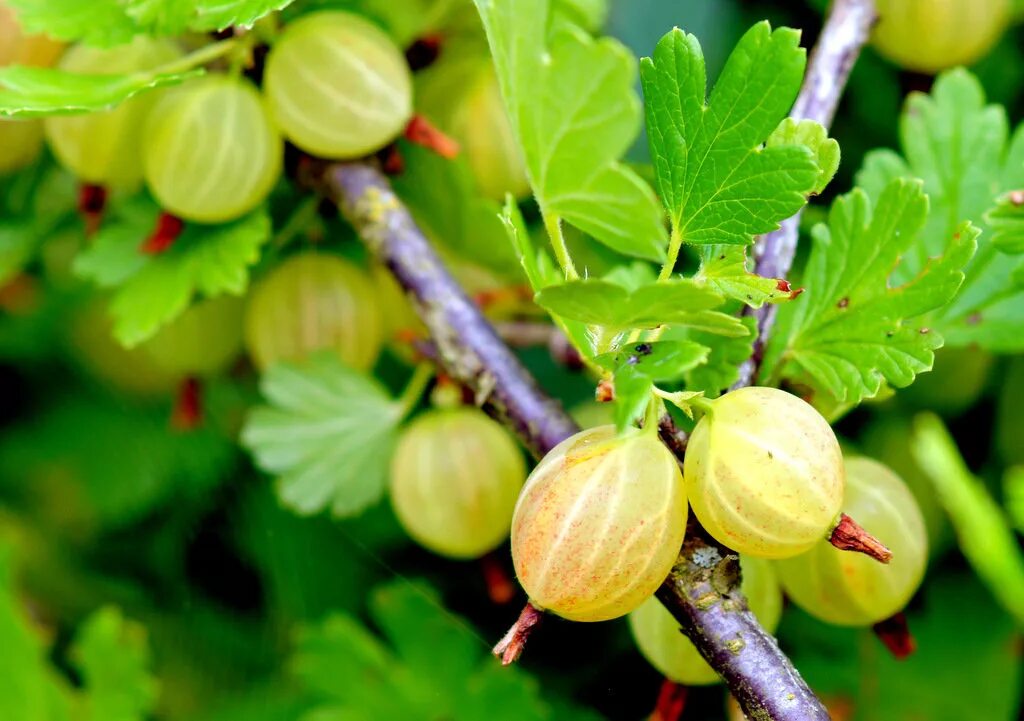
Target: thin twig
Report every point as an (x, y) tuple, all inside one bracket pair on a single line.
[(845, 32)]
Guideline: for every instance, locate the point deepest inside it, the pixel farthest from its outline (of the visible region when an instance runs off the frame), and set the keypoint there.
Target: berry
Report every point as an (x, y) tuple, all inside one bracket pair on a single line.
[(599, 524), (20, 143), (932, 35), (764, 473), (337, 85), (211, 153), (105, 147), (202, 341), (312, 302), (659, 639), (455, 477), (17, 48), (849, 589)]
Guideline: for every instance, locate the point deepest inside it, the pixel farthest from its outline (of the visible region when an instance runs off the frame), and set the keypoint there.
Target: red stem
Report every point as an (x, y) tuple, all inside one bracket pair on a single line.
[(671, 702), (168, 228), (895, 633), (511, 645), (848, 535)]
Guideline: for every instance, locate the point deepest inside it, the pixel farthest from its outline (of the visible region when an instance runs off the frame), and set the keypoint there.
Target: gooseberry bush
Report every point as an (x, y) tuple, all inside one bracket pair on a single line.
[(293, 294)]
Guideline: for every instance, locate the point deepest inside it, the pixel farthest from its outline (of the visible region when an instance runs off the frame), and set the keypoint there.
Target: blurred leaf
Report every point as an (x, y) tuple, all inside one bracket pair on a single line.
[(966, 666), (852, 330), (721, 185), (1013, 485), (984, 534), (435, 667), (958, 146), (28, 92), (327, 433), (1006, 218), (152, 290), (113, 657), (572, 104)]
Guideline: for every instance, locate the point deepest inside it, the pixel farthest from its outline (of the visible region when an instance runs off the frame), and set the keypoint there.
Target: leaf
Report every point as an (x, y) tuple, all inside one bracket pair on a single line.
[(153, 290), (221, 14), (113, 657), (603, 303), (97, 22), (1006, 218), (442, 197), (814, 137), (958, 146), (28, 92), (726, 354), (1013, 491), (985, 536), (432, 666), (661, 361), (632, 394), (327, 433), (571, 102), (713, 172), (724, 268), (851, 331)]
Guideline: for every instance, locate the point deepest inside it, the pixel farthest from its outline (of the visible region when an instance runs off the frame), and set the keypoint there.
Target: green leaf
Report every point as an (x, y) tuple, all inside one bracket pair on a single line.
[(1013, 491), (726, 355), (632, 394), (29, 92), (815, 138), (572, 105), (1006, 218), (983, 532), (327, 433), (113, 657), (443, 199), (958, 146), (432, 666), (852, 330), (724, 268), (97, 22), (222, 14), (153, 290), (661, 361), (713, 172), (603, 303)]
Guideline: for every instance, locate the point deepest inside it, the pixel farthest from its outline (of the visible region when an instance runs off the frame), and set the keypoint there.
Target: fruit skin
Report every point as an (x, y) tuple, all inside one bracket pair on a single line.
[(312, 302), (17, 48), (933, 35), (202, 341), (337, 85), (482, 127), (455, 477), (599, 524), (764, 473), (20, 143), (211, 153), (660, 641), (850, 589), (105, 147)]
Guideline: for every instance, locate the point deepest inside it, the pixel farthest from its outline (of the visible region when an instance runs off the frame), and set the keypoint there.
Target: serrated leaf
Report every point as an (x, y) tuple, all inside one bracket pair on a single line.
[(814, 137), (1006, 219), (572, 105), (851, 331), (632, 394), (983, 532), (958, 146), (28, 92), (97, 22), (661, 361), (152, 290), (603, 303), (713, 173), (113, 657), (326, 432), (724, 268), (222, 14), (726, 355), (432, 666)]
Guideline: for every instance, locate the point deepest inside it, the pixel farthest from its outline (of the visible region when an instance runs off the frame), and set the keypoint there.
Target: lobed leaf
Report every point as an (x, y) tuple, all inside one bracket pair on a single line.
[(327, 432), (851, 331), (571, 102)]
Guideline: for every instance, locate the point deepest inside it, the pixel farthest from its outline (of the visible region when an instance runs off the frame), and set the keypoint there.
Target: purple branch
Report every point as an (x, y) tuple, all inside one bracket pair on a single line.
[(845, 32)]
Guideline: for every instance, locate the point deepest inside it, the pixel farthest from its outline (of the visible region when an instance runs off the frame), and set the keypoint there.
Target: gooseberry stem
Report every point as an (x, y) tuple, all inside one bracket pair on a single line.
[(848, 535), (415, 387), (671, 701), (894, 632), (511, 645), (197, 58), (553, 225)]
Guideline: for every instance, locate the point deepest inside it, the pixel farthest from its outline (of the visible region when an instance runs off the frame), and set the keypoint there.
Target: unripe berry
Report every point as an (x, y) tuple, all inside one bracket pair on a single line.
[(599, 524), (764, 473), (17, 48), (20, 143), (455, 477), (932, 35), (661, 642), (313, 302), (106, 146), (850, 589), (202, 341)]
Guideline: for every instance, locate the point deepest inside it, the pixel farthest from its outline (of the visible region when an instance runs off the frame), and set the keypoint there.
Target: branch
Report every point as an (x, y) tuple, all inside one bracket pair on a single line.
[(757, 672), (844, 34)]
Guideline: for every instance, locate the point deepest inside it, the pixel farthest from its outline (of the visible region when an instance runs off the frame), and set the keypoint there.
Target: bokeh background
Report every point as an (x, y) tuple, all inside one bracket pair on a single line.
[(103, 504)]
